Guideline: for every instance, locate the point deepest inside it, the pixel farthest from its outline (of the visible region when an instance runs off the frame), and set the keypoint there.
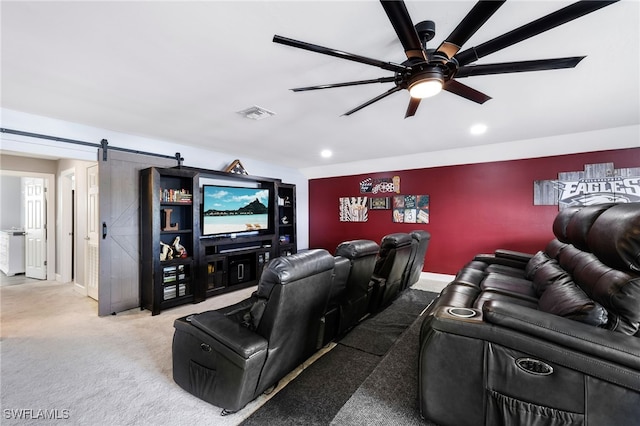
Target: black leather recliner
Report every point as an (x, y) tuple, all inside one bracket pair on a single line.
[(390, 271), (544, 339), (354, 302), (420, 244), (230, 356)]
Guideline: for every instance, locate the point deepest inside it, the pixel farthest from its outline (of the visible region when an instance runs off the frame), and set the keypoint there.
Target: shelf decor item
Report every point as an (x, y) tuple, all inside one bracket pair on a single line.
[(168, 226), (179, 249), (236, 168)]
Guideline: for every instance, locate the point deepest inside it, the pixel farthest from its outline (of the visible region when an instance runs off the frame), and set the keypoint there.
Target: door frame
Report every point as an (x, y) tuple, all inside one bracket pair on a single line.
[(49, 183), (66, 217)]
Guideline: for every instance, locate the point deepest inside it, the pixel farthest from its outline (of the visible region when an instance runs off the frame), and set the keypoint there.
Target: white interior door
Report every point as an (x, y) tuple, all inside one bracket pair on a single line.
[(35, 228), (92, 239)]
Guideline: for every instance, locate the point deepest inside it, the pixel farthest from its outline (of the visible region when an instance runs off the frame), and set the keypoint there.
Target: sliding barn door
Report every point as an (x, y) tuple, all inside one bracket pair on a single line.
[(119, 230)]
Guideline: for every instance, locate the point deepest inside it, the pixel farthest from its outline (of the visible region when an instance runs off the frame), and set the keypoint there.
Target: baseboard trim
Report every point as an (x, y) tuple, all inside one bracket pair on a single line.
[(431, 281)]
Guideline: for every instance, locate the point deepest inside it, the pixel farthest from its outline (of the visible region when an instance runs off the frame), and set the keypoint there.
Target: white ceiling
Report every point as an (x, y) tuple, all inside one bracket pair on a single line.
[(179, 71)]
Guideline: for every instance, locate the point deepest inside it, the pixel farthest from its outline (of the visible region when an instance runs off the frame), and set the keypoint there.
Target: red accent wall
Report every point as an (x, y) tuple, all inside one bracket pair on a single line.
[(474, 208)]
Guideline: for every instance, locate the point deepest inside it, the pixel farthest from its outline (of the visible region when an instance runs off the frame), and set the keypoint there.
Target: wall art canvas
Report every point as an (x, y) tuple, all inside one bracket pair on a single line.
[(379, 203), (596, 184), (353, 209), (410, 209), (380, 185)]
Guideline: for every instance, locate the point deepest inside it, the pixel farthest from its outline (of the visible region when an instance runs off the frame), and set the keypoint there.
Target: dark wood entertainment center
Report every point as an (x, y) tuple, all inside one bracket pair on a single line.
[(171, 207)]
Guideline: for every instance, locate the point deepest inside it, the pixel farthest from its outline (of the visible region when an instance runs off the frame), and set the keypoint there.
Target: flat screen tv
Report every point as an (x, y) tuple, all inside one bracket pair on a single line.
[(228, 211)]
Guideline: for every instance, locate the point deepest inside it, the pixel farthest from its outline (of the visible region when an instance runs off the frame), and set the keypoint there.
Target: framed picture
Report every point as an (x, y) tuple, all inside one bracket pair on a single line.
[(353, 209), (410, 209), (380, 203)]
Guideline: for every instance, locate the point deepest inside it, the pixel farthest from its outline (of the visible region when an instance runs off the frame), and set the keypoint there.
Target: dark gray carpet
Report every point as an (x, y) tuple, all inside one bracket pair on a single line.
[(321, 391), (378, 333), (389, 395)]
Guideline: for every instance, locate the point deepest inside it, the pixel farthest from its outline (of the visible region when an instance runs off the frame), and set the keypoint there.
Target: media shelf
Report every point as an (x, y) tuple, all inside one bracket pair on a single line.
[(202, 266), (169, 223), (229, 266), (287, 243)]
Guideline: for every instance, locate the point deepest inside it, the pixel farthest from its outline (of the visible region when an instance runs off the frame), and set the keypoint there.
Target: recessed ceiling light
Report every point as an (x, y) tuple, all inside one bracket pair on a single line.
[(478, 129), (326, 153)]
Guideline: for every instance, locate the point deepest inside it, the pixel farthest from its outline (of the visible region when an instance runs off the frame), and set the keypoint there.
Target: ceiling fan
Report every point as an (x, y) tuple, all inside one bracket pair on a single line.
[(428, 71)]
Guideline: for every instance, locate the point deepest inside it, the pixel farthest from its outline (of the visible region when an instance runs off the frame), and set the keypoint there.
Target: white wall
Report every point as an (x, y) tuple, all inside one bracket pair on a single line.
[(194, 157), (599, 140), (11, 210)]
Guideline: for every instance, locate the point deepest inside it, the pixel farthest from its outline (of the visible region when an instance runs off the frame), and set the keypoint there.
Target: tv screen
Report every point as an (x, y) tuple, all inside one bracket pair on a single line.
[(228, 210)]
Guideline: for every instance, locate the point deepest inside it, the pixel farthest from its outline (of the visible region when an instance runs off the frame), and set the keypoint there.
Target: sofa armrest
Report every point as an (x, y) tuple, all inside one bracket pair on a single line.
[(603, 344), (491, 259), (231, 334), (513, 255)]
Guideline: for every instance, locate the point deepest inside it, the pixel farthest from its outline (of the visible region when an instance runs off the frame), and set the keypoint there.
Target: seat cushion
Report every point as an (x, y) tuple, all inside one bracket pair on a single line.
[(506, 284), (564, 298)]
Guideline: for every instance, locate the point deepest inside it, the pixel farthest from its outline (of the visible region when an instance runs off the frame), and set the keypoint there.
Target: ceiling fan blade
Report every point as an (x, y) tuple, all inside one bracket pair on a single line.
[(476, 17), (349, 83), (376, 99), (402, 24), (414, 103), (339, 54), (465, 91), (531, 29), (521, 66)]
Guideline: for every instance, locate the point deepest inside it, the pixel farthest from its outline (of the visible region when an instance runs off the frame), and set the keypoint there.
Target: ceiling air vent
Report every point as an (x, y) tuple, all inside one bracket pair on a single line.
[(256, 113)]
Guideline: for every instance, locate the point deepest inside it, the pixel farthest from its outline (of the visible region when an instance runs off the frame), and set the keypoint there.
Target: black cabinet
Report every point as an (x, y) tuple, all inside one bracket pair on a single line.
[(286, 219), (180, 265), (229, 267), (169, 232)]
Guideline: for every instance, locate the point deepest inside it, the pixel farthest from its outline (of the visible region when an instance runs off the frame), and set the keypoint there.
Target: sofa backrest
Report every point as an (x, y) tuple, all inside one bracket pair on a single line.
[(562, 220), (580, 223), (362, 257), (391, 264), (603, 258), (421, 240), (615, 237), (297, 288)]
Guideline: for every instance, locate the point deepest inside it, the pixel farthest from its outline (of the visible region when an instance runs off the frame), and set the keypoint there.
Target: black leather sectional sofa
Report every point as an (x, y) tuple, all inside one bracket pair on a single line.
[(231, 355), (544, 339)]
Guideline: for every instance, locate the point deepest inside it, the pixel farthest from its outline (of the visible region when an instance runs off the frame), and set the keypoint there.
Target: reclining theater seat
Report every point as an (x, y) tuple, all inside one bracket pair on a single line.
[(553, 342), (354, 302), (416, 261), (230, 356), (389, 273)]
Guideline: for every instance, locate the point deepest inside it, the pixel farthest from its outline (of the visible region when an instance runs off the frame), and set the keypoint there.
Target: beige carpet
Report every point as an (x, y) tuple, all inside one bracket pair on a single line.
[(57, 354), (58, 358)]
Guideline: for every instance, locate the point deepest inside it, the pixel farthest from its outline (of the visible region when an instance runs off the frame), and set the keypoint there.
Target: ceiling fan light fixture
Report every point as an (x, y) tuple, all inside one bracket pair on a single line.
[(426, 84)]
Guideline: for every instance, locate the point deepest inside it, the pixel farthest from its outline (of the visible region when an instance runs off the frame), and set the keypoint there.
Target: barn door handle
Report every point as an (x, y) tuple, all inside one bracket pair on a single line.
[(104, 230)]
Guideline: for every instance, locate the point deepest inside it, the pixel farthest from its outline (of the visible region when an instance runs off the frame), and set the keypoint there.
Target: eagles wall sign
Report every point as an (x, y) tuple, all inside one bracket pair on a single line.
[(597, 184)]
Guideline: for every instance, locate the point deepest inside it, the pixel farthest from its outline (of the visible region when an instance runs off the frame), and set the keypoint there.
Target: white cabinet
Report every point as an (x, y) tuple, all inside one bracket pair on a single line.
[(12, 252)]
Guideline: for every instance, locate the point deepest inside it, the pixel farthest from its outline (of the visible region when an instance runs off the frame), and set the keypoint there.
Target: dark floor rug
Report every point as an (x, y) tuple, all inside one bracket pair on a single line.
[(389, 395), (378, 333), (321, 390)]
